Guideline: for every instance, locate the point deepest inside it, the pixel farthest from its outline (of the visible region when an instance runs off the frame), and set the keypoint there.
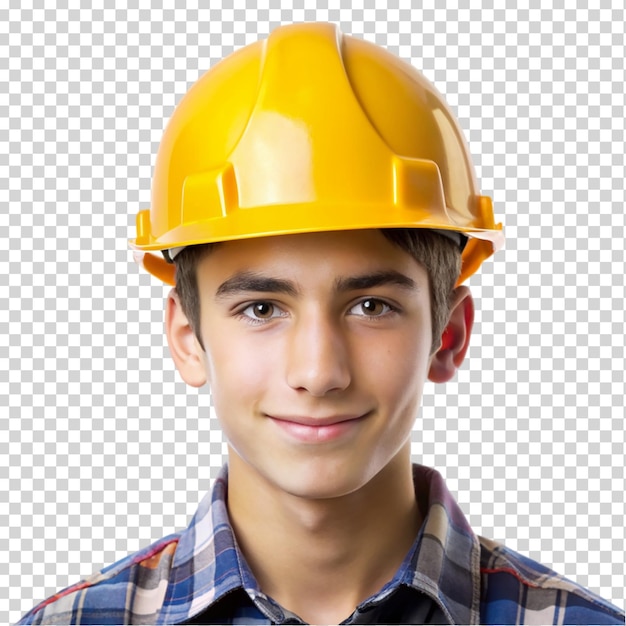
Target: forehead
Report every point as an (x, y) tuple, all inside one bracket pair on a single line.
[(307, 254)]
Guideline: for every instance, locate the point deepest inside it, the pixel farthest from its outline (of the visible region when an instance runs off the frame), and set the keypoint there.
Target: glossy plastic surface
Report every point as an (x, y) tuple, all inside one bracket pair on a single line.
[(309, 131)]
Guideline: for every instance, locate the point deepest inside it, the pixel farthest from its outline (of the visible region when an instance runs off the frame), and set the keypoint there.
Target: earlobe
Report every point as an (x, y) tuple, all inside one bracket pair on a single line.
[(455, 339), (183, 343)]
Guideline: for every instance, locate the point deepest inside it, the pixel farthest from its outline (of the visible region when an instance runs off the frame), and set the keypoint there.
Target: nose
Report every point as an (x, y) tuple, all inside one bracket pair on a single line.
[(318, 356)]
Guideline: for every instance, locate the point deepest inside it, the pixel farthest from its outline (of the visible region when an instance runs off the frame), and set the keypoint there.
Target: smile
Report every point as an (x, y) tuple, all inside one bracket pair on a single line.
[(318, 430)]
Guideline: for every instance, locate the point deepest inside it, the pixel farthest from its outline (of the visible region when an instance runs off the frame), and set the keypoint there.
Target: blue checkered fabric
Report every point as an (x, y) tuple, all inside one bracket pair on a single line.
[(450, 576)]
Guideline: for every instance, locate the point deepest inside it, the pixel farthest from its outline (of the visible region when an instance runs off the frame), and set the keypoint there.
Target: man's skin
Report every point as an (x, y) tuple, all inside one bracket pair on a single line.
[(317, 349)]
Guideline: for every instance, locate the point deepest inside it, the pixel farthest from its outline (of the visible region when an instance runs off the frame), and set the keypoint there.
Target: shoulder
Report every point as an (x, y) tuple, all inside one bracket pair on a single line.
[(128, 591), (518, 590)]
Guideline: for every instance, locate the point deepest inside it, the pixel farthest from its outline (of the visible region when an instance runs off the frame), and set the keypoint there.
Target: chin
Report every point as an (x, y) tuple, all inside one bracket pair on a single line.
[(320, 479)]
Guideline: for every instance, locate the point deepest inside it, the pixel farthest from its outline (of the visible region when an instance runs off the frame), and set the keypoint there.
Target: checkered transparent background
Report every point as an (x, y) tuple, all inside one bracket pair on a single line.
[(103, 449)]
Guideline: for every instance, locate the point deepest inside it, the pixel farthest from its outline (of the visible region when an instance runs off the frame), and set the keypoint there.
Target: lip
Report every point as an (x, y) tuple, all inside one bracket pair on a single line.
[(316, 421), (307, 429)]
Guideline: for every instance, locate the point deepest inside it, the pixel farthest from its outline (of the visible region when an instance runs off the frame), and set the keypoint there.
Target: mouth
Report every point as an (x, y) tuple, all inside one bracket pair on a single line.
[(307, 429)]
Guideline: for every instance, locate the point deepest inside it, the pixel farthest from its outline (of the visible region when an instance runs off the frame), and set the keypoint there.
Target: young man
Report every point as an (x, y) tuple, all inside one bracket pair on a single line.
[(317, 212)]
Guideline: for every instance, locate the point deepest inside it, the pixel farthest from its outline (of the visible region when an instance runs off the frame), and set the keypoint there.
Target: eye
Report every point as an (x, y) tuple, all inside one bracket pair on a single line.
[(261, 311), (371, 307)]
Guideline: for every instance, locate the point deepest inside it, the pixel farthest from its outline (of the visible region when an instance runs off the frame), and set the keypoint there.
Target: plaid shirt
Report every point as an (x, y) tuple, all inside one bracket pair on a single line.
[(450, 576)]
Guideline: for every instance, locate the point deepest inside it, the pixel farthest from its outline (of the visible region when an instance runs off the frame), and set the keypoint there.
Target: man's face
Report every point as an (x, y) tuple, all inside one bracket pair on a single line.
[(317, 348)]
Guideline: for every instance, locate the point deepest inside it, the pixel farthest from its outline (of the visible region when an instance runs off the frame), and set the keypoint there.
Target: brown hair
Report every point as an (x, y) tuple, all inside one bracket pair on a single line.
[(439, 255)]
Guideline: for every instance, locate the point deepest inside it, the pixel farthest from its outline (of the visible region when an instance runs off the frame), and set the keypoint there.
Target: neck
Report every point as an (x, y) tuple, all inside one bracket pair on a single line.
[(320, 558)]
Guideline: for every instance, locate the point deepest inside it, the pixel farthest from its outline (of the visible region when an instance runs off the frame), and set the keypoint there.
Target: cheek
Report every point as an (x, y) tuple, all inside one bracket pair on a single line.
[(400, 373), (237, 371)]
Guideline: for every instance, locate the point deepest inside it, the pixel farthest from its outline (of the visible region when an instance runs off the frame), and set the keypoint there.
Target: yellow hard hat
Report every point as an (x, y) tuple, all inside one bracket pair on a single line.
[(308, 131)]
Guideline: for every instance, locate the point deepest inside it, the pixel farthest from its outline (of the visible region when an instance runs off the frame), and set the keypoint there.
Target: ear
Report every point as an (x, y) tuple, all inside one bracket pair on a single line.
[(183, 343), (455, 339)]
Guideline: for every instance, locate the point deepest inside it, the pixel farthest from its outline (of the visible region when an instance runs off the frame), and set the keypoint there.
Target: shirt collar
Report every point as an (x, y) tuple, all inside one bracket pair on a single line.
[(443, 563)]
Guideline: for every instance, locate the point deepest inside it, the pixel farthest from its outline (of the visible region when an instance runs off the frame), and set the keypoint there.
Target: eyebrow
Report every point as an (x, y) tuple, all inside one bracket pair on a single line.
[(375, 279), (252, 281)]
